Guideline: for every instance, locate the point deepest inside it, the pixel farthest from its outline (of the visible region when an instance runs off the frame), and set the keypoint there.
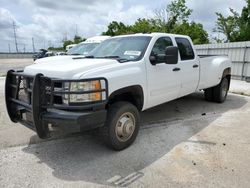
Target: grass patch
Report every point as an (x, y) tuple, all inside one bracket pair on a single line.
[(2, 74), (240, 93)]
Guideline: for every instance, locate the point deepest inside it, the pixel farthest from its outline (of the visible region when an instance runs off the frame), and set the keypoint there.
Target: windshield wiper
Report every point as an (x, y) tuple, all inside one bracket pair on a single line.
[(111, 56), (83, 57), (89, 56), (74, 54), (118, 58)]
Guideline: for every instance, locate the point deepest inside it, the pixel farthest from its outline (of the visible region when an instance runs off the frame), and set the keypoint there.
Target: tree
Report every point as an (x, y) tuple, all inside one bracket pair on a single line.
[(66, 43), (116, 28), (236, 26), (244, 23), (172, 19), (78, 39), (227, 25), (176, 13), (194, 30)]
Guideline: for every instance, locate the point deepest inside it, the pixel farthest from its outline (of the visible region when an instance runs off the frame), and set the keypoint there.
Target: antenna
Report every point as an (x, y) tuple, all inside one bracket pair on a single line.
[(14, 29)]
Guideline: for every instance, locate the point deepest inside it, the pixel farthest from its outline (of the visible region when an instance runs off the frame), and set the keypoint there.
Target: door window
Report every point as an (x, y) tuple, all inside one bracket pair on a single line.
[(185, 48), (160, 45)]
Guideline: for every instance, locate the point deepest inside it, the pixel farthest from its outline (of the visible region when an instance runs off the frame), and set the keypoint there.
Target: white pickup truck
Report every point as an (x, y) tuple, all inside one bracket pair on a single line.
[(108, 88)]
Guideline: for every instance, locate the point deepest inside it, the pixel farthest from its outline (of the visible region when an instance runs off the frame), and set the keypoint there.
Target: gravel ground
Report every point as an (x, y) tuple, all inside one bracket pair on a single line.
[(7, 64)]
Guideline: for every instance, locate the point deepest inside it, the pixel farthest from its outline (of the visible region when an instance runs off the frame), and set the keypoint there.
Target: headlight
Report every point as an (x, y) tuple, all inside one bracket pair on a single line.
[(82, 87)]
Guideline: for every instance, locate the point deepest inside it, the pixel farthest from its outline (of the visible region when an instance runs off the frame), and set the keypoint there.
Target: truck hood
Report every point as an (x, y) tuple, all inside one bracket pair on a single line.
[(55, 58), (68, 68)]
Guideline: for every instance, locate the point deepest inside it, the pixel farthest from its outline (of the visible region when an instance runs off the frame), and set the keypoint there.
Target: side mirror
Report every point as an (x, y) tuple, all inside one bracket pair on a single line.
[(153, 59), (171, 55), (157, 59)]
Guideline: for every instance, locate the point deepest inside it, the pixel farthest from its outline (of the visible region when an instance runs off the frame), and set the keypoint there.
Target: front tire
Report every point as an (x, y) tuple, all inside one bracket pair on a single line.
[(122, 125), (209, 94)]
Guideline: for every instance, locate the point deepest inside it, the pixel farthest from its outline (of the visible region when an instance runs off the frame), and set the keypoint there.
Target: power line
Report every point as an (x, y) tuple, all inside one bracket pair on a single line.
[(14, 29)]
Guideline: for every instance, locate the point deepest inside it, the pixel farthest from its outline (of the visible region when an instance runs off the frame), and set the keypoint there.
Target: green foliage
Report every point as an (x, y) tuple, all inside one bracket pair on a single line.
[(116, 28), (244, 23), (194, 30), (56, 49), (177, 12), (236, 26), (173, 19), (227, 25), (77, 39), (66, 43)]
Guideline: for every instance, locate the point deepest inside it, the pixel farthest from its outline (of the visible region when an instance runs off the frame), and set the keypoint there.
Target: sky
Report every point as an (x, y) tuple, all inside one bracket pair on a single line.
[(48, 22)]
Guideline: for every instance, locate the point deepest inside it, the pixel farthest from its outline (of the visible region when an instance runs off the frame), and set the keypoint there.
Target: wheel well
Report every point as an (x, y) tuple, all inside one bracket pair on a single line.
[(133, 94)]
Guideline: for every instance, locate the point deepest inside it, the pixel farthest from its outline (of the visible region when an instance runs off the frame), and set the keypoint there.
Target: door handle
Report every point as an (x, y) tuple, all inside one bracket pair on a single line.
[(195, 66), (176, 69)]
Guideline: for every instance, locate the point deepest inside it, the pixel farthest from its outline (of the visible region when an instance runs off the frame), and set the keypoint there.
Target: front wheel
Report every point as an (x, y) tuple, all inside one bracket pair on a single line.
[(122, 125)]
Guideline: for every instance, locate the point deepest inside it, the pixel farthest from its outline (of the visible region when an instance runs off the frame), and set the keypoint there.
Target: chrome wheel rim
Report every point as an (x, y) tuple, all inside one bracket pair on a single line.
[(224, 88), (125, 127)]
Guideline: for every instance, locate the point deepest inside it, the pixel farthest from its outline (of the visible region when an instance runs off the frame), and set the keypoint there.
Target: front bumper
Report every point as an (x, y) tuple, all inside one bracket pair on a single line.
[(33, 102)]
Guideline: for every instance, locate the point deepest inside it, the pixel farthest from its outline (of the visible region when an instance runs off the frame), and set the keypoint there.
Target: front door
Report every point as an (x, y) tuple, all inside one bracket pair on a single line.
[(163, 79)]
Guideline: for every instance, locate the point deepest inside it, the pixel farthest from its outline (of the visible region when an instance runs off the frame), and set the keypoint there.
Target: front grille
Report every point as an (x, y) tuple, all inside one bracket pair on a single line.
[(46, 93)]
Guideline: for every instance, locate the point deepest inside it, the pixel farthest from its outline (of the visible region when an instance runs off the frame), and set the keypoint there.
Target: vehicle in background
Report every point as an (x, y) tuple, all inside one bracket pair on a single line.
[(108, 88), (49, 54), (87, 46), (70, 46), (40, 54), (61, 53), (82, 49)]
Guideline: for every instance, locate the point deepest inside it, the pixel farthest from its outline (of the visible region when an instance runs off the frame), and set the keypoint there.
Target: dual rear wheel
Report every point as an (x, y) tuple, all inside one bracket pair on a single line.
[(218, 93)]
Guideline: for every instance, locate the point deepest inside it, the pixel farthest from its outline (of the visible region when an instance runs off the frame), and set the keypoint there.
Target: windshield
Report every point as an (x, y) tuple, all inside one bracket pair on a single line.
[(82, 49), (131, 48)]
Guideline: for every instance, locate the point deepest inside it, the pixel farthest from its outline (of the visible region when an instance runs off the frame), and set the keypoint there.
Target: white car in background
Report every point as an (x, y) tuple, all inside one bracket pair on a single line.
[(80, 50), (87, 46), (70, 46)]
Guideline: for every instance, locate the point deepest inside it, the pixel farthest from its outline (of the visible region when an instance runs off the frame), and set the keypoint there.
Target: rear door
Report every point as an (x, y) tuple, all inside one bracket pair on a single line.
[(163, 82), (189, 65)]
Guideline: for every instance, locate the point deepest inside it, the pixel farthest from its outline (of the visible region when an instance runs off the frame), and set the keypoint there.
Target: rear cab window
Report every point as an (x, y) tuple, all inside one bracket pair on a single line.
[(185, 48)]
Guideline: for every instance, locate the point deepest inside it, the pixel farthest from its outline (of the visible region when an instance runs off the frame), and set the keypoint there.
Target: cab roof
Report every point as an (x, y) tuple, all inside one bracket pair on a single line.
[(154, 34)]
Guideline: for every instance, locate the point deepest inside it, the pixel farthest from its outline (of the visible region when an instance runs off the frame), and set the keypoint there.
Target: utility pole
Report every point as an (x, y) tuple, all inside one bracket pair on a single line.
[(76, 34), (14, 29), (33, 45), (23, 48), (9, 47)]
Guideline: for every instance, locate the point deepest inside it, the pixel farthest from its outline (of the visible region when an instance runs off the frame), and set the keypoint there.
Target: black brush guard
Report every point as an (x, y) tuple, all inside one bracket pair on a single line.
[(30, 101)]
